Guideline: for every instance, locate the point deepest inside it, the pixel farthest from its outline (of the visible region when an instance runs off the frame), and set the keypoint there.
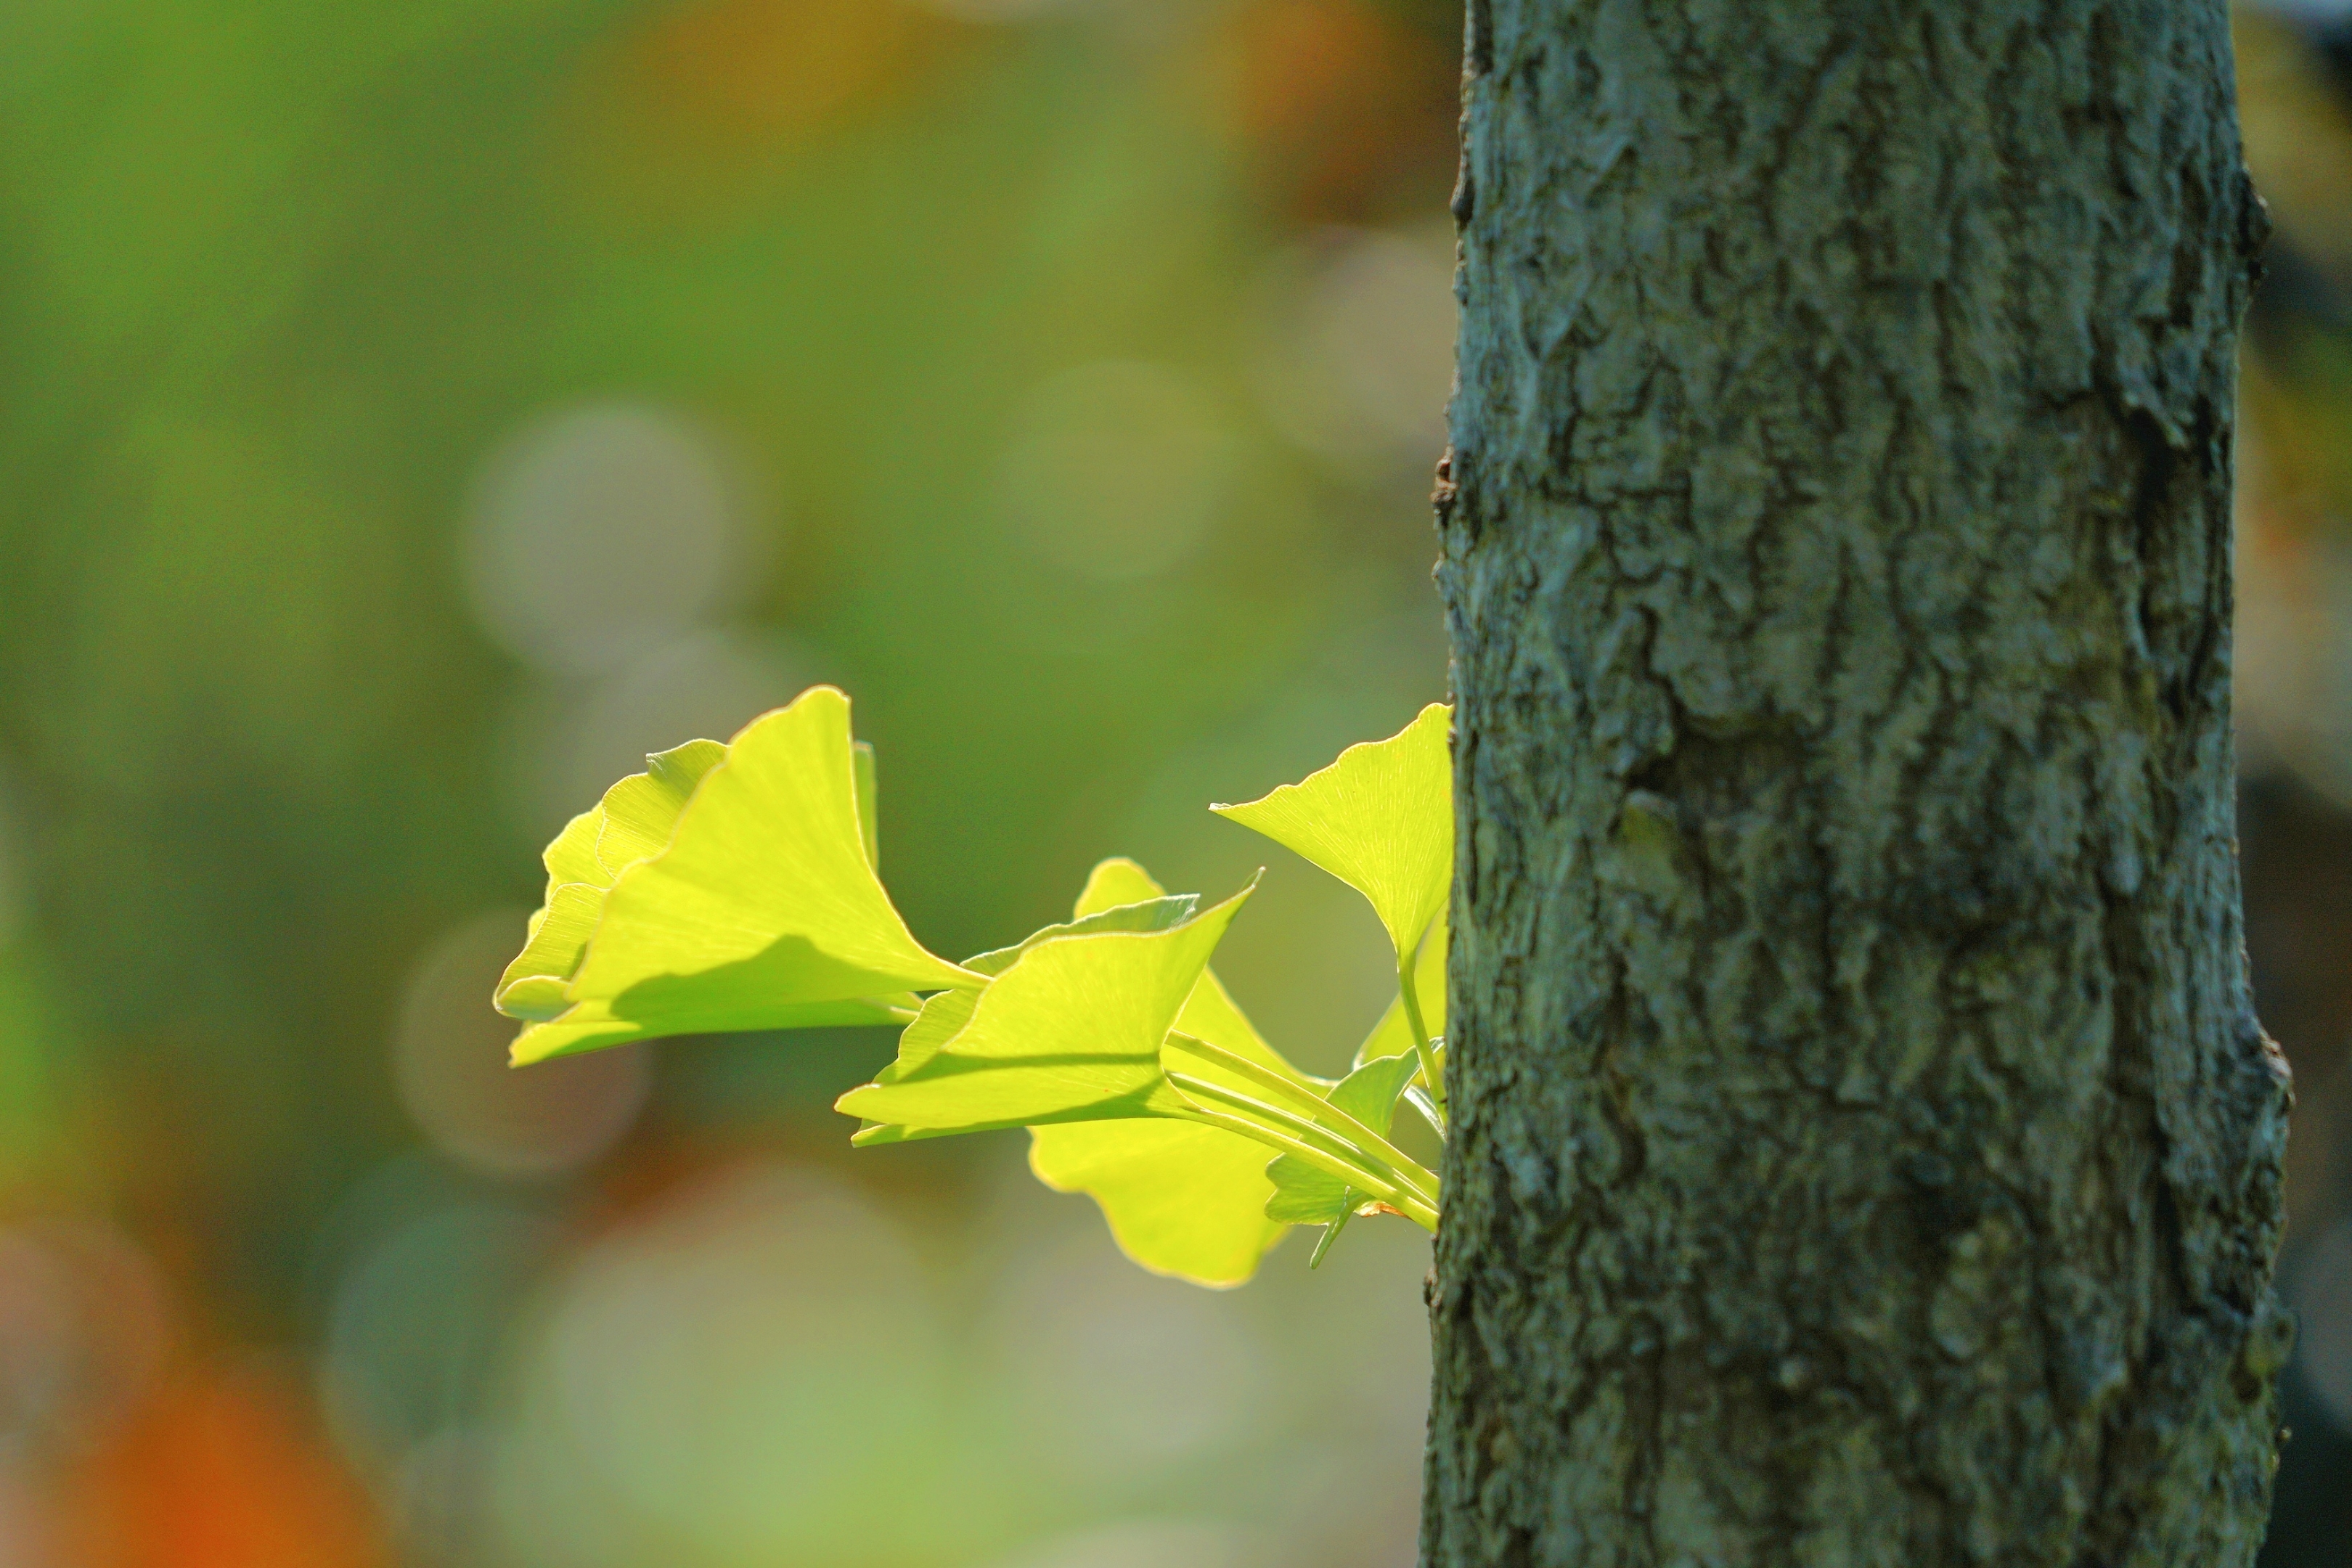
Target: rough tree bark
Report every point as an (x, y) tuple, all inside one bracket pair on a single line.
[(1864, 1151)]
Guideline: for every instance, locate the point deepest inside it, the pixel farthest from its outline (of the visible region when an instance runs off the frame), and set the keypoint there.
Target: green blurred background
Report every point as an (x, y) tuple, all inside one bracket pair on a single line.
[(410, 413)]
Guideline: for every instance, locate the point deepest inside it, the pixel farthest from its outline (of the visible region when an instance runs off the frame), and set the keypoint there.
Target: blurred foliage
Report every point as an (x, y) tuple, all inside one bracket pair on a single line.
[(280, 280), (987, 326)]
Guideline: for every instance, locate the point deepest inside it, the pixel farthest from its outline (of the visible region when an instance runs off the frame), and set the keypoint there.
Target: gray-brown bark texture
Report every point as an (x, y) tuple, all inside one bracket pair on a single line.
[(1864, 1151)]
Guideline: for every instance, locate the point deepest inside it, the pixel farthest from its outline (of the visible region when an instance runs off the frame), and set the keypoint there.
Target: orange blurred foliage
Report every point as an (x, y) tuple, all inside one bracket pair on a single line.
[(1350, 113), (219, 1469)]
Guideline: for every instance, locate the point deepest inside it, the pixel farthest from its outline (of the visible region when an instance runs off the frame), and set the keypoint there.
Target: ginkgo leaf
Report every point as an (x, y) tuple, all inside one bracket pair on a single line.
[(861, 757), (945, 1014), (572, 857), (1180, 1199), (641, 812), (1380, 818), (1393, 1036), (533, 986), (1163, 912), (579, 871), (1305, 1194), (762, 910), (1210, 1013), (1070, 1031), (942, 1018), (1115, 881)]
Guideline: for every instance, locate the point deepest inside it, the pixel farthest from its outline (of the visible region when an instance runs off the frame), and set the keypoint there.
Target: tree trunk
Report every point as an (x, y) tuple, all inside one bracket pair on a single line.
[(1864, 1151)]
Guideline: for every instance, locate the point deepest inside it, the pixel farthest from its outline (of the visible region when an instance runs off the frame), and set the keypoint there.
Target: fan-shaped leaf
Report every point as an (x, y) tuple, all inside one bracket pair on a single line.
[(759, 908), (1180, 1198), (640, 812), (1380, 818), (1070, 1031)]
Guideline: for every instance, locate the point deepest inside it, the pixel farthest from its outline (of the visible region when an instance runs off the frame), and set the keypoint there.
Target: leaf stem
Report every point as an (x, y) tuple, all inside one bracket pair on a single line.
[(1411, 998), (1324, 1138), (1296, 1089), (1384, 1187)]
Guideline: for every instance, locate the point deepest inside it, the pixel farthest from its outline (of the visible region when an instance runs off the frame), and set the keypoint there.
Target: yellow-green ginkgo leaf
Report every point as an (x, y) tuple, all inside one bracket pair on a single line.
[(869, 823), (943, 1017), (533, 986), (633, 821), (762, 911), (1180, 1198), (1380, 818), (571, 858), (640, 812), (1071, 1031)]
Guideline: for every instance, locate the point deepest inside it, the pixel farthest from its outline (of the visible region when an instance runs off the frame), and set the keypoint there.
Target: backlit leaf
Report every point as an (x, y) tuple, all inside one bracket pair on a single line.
[(637, 814), (533, 986), (641, 812), (861, 757), (762, 911), (945, 1014), (572, 857), (1163, 912), (1380, 818), (1180, 1199), (1070, 1031)]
